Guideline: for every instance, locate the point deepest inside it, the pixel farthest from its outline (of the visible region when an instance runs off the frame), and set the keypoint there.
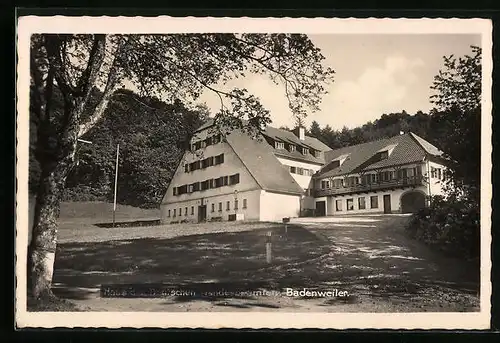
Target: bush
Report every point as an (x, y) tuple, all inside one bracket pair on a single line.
[(451, 225)]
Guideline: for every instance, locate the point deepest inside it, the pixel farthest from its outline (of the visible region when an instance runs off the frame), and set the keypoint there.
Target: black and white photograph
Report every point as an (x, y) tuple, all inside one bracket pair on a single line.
[(253, 172)]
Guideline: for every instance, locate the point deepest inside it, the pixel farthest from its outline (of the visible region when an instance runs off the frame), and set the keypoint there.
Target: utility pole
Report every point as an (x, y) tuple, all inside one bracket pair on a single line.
[(116, 181)]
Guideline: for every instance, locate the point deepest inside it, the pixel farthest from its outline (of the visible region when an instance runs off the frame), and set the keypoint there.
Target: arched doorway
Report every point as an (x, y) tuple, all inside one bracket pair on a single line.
[(412, 201)]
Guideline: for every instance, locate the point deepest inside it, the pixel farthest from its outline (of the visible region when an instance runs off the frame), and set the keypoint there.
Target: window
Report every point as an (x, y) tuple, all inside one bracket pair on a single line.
[(439, 173), (174, 191), (226, 180), (374, 201), (350, 204), (300, 171), (304, 151), (168, 213), (182, 189), (338, 205), (190, 188), (218, 182), (186, 211), (235, 204), (192, 210), (174, 212), (228, 206), (244, 203), (291, 147), (186, 168), (196, 186), (180, 211), (234, 179), (384, 155), (205, 185), (361, 203), (213, 207), (433, 172), (374, 178), (219, 159), (279, 145), (220, 207), (325, 184), (293, 170)]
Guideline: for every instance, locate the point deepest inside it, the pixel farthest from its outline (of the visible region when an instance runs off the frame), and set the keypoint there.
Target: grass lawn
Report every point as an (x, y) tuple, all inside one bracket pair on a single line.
[(369, 257)]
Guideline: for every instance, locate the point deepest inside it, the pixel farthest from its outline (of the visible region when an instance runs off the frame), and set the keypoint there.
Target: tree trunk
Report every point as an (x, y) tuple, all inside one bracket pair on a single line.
[(42, 249)]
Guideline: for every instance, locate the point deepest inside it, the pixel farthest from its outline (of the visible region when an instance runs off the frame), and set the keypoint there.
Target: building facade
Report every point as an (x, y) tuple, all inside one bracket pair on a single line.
[(289, 174), (394, 175), (241, 178)]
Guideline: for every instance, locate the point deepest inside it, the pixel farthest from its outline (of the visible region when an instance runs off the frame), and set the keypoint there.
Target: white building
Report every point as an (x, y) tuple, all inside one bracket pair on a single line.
[(240, 178), (393, 175), (289, 174)]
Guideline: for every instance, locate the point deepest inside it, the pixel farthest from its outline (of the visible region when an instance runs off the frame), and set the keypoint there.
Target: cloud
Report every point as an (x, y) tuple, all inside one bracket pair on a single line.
[(389, 87), (378, 90)]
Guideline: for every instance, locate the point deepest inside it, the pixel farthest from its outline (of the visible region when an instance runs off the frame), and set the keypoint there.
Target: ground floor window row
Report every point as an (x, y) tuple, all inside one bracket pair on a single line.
[(228, 180), (219, 205), (361, 203)]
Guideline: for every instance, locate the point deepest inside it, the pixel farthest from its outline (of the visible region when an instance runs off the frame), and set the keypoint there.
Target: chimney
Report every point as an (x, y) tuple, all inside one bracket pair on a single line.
[(301, 133)]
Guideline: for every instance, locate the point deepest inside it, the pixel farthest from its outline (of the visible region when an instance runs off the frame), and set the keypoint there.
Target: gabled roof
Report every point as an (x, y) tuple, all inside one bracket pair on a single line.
[(309, 142), (408, 148), (286, 136), (258, 157)]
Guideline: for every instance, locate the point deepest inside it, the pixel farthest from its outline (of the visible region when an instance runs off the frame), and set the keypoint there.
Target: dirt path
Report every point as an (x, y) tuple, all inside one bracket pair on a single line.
[(369, 266)]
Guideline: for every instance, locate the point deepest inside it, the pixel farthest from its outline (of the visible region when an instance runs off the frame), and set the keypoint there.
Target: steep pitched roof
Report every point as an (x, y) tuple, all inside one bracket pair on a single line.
[(288, 137), (259, 159), (408, 148)]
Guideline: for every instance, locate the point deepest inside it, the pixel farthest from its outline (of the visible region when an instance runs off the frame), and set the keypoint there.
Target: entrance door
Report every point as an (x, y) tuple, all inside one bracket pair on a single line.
[(387, 203), (202, 213), (321, 208)]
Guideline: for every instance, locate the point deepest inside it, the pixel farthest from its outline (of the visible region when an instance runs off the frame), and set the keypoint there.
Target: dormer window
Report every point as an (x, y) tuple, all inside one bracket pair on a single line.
[(386, 151), (291, 147), (279, 145), (304, 150)]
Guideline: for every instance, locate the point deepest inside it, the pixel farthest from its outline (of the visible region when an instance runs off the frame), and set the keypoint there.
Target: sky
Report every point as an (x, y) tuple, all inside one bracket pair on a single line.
[(374, 74)]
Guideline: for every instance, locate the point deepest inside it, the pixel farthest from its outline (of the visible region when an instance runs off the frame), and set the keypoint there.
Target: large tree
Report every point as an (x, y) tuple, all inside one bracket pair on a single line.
[(170, 67), (456, 121)]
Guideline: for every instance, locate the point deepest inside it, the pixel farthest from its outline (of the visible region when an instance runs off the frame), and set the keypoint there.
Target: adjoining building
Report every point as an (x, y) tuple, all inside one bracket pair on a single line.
[(241, 178), (393, 175), (290, 174)]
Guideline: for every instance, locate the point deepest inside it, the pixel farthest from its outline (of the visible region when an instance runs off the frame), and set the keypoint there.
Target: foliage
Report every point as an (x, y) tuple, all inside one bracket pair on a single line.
[(457, 118), (451, 225), (152, 137), (458, 85), (387, 125)]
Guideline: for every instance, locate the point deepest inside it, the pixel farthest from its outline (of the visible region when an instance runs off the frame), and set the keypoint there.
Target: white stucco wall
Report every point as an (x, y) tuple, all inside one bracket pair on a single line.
[(436, 185), (395, 202), (304, 181), (251, 212), (274, 206)]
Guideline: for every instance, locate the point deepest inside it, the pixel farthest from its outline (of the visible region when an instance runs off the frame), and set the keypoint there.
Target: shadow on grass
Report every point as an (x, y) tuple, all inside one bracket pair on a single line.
[(185, 262), (379, 263)]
